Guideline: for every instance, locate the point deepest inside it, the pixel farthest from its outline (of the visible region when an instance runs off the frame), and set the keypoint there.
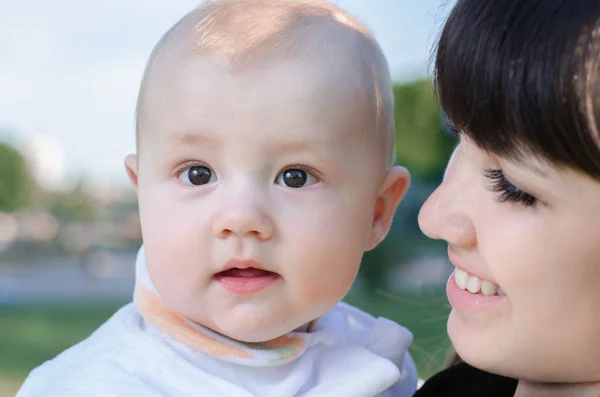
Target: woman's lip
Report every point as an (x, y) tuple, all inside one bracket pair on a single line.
[(452, 257), (465, 301)]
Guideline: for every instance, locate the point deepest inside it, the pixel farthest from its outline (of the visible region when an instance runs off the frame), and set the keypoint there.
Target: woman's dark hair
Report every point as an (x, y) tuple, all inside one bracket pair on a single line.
[(522, 77)]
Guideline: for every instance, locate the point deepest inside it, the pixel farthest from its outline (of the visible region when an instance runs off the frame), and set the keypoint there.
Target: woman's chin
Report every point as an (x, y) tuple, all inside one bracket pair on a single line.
[(480, 348)]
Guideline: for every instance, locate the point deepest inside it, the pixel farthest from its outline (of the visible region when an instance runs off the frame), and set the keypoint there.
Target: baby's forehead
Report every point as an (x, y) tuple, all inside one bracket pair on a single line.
[(310, 98), (339, 60)]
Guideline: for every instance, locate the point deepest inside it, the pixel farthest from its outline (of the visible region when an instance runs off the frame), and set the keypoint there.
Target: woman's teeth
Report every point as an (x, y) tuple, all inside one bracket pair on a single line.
[(475, 285)]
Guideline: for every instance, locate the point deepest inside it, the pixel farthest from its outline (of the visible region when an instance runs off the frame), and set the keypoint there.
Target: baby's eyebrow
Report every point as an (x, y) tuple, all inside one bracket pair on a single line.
[(302, 137), (311, 146), (189, 139), (287, 146)]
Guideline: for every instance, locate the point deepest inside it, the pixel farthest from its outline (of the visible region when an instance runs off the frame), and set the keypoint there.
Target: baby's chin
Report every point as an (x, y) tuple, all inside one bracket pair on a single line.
[(256, 334), (256, 323)]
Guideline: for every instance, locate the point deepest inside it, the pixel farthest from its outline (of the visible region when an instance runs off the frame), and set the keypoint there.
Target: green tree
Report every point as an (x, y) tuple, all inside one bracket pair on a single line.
[(376, 263), (424, 148), (73, 204), (15, 181), (421, 144)]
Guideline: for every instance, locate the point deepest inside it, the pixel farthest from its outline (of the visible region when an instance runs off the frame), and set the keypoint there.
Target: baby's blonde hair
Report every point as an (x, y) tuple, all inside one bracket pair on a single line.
[(252, 31)]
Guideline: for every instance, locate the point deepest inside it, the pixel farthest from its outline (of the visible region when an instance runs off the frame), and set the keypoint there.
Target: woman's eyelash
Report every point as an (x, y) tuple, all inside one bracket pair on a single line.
[(508, 191)]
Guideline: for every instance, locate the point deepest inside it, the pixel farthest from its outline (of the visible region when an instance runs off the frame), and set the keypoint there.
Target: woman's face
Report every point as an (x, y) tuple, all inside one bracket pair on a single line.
[(525, 240)]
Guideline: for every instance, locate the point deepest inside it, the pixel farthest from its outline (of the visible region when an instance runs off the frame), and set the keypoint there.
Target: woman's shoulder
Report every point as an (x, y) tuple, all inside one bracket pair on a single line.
[(463, 380)]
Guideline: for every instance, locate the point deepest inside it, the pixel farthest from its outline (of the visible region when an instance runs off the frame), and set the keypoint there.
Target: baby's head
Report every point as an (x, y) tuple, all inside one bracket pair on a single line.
[(264, 170)]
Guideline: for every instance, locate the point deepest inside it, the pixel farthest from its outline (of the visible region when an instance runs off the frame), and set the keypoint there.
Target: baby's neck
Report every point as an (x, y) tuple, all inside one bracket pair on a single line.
[(303, 328), (533, 389)]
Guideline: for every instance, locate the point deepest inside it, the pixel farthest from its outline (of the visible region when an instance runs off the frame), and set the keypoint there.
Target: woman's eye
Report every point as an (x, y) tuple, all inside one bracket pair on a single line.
[(295, 178), (508, 191), (197, 175)]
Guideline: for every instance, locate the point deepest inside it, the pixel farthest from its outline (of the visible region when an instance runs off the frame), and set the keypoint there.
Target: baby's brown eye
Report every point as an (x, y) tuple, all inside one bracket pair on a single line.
[(295, 178), (197, 175)]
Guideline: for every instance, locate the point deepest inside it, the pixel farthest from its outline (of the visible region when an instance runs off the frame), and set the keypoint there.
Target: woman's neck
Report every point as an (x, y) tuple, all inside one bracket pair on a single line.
[(533, 389)]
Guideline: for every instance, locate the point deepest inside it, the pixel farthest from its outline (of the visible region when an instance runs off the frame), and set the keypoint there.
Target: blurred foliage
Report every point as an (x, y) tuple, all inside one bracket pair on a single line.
[(423, 147), (15, 181), (421, 144), (73, 204), (376, 262)]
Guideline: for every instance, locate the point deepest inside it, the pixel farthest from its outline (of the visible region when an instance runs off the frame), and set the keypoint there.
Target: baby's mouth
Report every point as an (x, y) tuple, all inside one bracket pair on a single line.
[(249, 272), (247, 280)]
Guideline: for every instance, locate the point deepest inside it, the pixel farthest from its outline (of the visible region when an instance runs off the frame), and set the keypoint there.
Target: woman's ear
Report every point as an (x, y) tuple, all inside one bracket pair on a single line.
[(392, 191)]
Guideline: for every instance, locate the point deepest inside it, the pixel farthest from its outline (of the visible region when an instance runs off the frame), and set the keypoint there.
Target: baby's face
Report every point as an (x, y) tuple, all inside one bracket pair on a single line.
[(258, 194)]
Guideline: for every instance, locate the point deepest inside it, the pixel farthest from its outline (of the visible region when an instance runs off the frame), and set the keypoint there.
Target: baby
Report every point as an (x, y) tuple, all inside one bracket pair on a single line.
[(265, 145)]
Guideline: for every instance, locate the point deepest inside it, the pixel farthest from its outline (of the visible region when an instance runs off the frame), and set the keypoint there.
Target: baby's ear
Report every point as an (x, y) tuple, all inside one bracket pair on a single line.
[(131, 166), (392, 191)]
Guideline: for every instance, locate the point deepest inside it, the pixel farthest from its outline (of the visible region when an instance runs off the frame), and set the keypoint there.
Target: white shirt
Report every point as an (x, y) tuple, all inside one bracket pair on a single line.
[(349, 354)]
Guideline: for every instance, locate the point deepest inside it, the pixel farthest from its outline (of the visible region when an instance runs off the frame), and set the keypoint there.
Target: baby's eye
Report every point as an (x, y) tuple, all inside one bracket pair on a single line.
[(197, 175), (295, 178)]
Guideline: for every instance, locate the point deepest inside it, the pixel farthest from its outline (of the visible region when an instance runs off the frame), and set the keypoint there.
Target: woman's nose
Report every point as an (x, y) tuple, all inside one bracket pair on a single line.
[(440, 220), (447, 215)]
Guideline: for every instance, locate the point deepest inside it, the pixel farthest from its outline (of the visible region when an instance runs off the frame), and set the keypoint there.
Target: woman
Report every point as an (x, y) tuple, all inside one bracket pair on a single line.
[(520, 201)]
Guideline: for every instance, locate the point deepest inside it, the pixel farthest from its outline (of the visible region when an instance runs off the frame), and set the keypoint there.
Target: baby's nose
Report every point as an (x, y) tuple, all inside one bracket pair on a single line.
[(243, 219)]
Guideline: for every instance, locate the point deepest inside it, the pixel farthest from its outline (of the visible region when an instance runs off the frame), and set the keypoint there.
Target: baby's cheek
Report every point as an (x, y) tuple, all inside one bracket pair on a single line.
[(168, 220), (173, 245), (327, 260)]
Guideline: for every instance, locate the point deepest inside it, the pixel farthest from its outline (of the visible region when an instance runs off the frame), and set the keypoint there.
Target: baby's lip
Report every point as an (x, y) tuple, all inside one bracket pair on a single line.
[(244, 277), (247, 273), (244, 266)]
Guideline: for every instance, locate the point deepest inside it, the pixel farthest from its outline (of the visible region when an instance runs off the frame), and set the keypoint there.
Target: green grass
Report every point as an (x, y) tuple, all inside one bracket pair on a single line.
[(31, 335)]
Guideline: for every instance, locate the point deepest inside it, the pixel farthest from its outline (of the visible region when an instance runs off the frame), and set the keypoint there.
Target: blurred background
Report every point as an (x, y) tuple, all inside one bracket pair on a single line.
[(69, 226)]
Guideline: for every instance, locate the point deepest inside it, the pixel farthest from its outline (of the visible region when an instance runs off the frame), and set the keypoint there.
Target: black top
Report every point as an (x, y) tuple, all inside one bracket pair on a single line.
[(462, 380)]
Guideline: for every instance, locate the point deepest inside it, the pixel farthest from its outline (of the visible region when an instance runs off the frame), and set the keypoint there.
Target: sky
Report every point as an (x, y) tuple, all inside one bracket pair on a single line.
[(70, 71)]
